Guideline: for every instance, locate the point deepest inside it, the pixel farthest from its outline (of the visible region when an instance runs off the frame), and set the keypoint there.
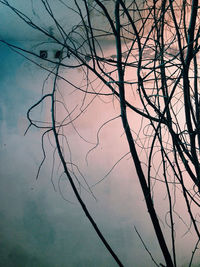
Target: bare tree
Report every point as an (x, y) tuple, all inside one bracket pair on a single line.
[(155, 57)]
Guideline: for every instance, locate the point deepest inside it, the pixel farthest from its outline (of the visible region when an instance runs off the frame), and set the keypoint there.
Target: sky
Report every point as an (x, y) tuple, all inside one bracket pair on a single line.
[(41, 222)]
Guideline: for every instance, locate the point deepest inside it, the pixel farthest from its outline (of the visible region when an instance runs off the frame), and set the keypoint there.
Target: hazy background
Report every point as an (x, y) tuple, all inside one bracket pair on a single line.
[(37, 226)]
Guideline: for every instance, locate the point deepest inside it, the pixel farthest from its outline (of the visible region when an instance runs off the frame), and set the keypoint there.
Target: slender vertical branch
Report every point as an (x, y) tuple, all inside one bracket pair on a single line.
[(60, 153), (145, 189)]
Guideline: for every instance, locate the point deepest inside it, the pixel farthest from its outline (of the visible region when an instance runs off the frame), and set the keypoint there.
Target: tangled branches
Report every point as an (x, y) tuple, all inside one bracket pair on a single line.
[(152, 55)]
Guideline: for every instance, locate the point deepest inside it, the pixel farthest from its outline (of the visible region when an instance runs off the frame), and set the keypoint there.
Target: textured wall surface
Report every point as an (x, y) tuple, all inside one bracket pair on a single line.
[(38, 227), (41, 222)]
